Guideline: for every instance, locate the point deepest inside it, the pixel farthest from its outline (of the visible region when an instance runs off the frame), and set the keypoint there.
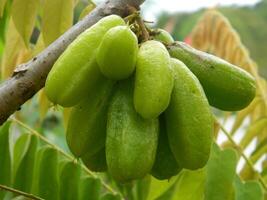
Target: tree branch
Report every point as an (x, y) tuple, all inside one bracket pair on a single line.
[(30, 77)]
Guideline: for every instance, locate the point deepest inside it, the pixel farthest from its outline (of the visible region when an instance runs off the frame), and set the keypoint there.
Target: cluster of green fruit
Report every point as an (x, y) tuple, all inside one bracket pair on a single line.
[(142, 109)]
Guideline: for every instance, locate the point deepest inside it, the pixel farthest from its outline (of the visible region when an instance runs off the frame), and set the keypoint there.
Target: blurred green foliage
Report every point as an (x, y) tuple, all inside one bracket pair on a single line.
[(250, 23)]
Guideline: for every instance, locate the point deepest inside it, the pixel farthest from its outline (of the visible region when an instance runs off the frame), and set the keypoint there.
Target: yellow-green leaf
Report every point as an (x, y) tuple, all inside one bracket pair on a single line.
[(57, 18), (40, 45), (14, 44), (254, 129), (158, 187), (24, 15), (2, 7), (44, 104), (241, 115), (190, 181), (87, 10)]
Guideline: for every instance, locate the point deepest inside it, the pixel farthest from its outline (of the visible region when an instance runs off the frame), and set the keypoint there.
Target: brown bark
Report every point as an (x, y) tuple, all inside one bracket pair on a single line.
[(30, 77)]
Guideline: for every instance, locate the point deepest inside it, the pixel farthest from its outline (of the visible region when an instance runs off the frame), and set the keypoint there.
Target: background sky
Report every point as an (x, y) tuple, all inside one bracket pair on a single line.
[(154, 7), (151, 8)]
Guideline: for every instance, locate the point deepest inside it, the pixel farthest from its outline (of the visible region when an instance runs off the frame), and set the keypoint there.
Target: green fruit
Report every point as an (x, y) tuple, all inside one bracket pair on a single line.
[(117, 53), (153, 80), (86, 130), (165, 165), (131, 140), (227, 87), (76, 71), (189, 120), (69, 181), (96, 162), (163, 36)]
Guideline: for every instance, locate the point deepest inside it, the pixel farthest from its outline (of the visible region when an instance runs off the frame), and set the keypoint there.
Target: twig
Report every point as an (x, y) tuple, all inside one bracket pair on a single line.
[(30, 77), (31, 196), (145, 34), (240, 151), (63, 153)]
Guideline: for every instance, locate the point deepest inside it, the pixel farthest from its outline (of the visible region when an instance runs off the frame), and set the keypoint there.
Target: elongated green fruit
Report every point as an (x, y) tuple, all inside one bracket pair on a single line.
[(189, 120), (117, 53), (163, 36), (153, 80), (165, 165), (69, 179), (48, 182), (86, 132), (96, 162), (76, 71), (131, 141), (227, 87)]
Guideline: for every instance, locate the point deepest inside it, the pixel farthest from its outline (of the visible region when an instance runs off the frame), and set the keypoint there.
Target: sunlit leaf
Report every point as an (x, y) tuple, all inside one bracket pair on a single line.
[(87, 10), (250, 190), (24, 159), (40, 45), (220, 174), (158, 187), (66, 115), (254, 129), (90, 186), (69, 180), (57, 18), (241, 115), (5, 157), (44, 104), (13, 46), (2, 7), (24, 15), (190, 181)]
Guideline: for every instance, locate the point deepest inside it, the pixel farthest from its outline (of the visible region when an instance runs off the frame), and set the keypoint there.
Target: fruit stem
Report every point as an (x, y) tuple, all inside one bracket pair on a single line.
[(145, 34)]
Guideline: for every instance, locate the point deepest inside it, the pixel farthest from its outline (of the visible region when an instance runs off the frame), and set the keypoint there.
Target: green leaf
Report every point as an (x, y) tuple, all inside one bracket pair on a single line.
[(24, 166), (69, 181), (57, 18), (47, 172), (142, 188), (220, 174), (110, 196), (90, 186), (248, 190), (24, 15), (158, 187), (5, 157), (20, 198), (2, 7), (190, 181)]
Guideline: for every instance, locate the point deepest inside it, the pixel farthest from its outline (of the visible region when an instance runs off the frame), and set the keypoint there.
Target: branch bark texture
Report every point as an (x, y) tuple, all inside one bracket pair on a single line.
[(30, 77)]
